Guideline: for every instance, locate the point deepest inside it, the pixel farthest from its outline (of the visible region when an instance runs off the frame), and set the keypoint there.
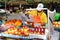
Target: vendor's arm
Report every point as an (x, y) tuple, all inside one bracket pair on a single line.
[(30, 19)]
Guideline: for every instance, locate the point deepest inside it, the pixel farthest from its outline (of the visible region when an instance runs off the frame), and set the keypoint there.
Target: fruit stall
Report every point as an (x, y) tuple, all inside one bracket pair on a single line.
[(56, 23), (35, 29)]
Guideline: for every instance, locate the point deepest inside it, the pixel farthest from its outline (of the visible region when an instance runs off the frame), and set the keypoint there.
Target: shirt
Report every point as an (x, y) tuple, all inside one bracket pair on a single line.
[(24, 18), (43, 17)]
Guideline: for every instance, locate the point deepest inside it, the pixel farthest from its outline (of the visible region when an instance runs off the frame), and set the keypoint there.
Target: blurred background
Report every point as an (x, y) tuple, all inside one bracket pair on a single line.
[(16, 4)]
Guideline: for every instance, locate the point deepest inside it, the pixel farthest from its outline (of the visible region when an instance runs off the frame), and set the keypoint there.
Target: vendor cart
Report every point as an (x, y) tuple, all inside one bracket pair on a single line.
[(31, 36)]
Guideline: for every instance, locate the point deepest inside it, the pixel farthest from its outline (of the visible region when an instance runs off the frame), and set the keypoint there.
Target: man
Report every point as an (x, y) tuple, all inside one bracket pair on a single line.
[(25, 17)]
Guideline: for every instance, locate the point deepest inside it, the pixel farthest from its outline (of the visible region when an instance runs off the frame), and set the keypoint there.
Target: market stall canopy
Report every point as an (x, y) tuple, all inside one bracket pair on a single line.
[(19, 2)]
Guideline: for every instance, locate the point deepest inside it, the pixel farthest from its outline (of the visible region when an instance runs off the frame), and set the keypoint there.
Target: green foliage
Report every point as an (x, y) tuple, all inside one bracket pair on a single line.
[(8, 2), (1, 0), (18, 11), (31, 2)]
